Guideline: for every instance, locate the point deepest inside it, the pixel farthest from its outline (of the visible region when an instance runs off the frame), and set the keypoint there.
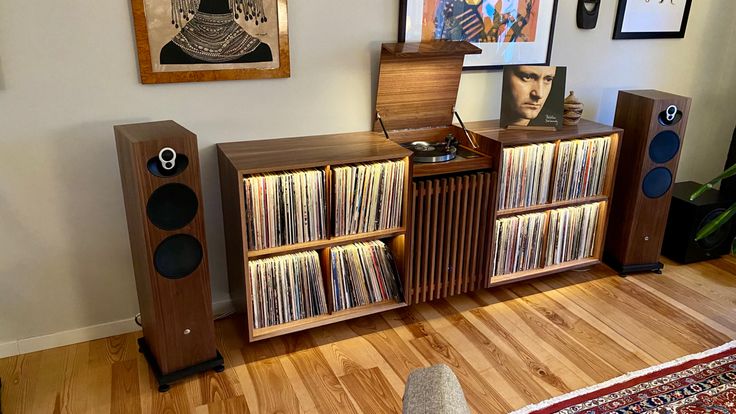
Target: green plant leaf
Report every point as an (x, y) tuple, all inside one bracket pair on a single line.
[(717, 222), (731, 171), (733, 246)]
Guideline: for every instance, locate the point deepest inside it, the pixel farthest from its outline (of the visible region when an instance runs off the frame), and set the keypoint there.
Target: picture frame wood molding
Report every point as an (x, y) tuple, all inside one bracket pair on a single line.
[(619, 29), (486, 61), (151, 73)]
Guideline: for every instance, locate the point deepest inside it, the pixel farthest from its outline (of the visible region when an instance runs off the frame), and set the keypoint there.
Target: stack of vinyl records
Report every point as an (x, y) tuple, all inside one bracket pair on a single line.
[(518, 243), (525, 175), (368, 197), (286, 288), (363, 273), (571, 234), (581, 168), (285, 208)]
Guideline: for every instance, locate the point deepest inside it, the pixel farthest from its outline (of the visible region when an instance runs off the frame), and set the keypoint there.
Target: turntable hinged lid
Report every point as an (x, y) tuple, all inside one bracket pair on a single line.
[(418, 83)]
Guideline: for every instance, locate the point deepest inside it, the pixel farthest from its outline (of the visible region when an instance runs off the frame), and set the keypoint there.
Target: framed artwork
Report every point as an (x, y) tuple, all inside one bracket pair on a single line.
[(207, 40), (651, 19), (510, 32)]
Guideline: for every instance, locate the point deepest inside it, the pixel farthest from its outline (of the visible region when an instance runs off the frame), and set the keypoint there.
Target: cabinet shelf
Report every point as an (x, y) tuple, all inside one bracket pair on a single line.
[(321, 244), (549, 206), (542, 271), (308, 323)]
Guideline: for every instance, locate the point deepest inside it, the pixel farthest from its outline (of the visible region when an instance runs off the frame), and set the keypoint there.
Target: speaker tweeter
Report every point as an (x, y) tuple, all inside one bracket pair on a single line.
[(670, 116), (156, 167)]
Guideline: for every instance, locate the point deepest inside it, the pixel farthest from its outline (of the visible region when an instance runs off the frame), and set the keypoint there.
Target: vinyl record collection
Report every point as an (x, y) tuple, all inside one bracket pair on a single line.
[(286, 288), (571, 234), (518, 243), (525, 175), (368, 197), (581, 168), (363, 273), (285, 208)]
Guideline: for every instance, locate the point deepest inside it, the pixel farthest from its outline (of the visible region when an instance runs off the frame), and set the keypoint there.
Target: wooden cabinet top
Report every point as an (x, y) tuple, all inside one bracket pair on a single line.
[(250, 157), (584, 128)]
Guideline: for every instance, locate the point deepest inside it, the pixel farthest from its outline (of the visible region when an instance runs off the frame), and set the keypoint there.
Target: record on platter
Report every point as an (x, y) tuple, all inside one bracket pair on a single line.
[(428, 152)]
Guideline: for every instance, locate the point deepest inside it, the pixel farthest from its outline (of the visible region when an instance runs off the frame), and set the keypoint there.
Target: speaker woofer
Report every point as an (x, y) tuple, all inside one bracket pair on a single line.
[(657, 182), (172, 206), (178, 256), (717, 238), (664, 146)]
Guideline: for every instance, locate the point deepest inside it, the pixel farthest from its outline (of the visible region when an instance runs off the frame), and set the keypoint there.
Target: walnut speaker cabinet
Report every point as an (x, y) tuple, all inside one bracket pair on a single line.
[(654, 127), (159, 169)]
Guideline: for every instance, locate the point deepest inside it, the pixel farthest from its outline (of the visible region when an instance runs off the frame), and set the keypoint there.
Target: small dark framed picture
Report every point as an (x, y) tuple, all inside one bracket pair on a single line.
[(651, 19), (532, 97), (509, 32)]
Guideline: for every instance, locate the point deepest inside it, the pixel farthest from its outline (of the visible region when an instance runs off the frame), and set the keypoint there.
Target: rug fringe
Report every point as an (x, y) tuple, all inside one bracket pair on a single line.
[(623, 378)]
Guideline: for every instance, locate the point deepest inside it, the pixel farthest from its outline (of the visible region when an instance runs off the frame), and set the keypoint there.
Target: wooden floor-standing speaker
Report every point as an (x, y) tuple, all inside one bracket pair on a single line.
[(654, 126), (159, 169)]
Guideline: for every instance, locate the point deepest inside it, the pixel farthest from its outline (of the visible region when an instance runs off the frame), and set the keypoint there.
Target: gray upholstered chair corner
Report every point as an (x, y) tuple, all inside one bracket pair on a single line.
[(434, 390)]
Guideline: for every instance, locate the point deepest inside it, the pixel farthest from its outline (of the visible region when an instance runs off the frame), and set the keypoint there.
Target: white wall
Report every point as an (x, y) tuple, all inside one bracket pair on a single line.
[(68, 73)]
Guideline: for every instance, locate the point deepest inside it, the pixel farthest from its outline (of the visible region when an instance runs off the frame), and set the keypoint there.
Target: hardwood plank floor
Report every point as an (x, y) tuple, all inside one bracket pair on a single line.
[(509, 347)]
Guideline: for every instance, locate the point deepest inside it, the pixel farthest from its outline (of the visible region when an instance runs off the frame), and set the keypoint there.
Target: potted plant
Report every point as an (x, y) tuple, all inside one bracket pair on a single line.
[(722, 218)]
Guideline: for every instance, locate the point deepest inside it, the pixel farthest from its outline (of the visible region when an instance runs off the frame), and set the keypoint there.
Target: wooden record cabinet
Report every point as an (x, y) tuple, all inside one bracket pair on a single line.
[(238, 160), (445, 244), (491, 130)]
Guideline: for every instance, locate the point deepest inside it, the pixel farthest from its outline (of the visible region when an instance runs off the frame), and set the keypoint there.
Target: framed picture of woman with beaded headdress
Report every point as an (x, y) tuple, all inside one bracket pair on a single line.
[(206, 40)]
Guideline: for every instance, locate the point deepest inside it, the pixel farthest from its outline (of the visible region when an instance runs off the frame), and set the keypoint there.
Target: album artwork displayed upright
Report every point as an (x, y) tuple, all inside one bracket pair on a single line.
[(533, 97)]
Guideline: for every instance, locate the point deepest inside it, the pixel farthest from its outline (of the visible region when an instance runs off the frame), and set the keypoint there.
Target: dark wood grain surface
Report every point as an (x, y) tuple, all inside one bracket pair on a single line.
[(167, 306), (259, 156), (513, 137)]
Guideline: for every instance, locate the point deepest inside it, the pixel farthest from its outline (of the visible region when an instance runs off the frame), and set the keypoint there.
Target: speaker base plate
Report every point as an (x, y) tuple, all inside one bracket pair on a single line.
[(625, 270), (164, 380)]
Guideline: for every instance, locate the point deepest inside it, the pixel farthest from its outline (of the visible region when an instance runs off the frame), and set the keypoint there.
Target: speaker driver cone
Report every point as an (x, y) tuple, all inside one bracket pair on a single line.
[(718, 237), (657, 182), (172, 206), (178, 256), (664, 146)]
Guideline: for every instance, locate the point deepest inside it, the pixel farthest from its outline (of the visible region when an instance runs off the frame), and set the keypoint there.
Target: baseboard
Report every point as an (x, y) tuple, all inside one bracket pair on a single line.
[(8, 349), (74, 336), (89, 333)]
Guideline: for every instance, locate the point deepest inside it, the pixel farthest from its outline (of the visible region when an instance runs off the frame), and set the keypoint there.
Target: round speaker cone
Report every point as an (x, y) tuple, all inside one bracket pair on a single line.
[(718, 237), (178, 256), (657, 182), (172, 206), (664, 146)]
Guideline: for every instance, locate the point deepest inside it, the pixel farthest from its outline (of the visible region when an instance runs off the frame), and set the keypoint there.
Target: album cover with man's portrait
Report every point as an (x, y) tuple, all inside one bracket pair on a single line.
[(532, 97)]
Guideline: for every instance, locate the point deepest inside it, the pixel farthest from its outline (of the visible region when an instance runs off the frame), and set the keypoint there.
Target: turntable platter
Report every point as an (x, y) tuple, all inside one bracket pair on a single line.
[(429, 152)]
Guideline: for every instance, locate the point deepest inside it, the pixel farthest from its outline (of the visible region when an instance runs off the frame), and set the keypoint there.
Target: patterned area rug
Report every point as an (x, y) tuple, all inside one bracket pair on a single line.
[(695, 384)]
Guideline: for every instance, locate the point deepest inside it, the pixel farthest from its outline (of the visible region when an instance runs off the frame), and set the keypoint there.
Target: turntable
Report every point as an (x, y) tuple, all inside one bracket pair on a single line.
[(415, 107), (433, 151)]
